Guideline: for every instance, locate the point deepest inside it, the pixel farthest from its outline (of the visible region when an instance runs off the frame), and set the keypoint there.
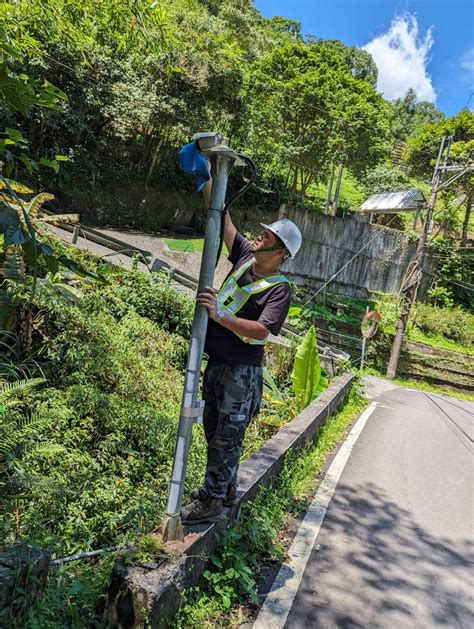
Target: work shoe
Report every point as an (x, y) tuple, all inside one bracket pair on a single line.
[(229, 501), (199, 511)]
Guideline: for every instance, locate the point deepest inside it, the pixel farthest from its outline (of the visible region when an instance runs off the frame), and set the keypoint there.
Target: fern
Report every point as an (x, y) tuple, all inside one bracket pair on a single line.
[(9, 390), (12, 424)]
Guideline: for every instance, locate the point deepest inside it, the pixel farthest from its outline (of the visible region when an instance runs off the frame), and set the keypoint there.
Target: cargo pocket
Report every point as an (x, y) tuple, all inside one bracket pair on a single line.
[(233, 430)]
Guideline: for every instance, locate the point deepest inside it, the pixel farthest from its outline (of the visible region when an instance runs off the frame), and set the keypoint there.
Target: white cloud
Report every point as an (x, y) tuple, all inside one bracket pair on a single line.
[(467, 61), (402, 55)]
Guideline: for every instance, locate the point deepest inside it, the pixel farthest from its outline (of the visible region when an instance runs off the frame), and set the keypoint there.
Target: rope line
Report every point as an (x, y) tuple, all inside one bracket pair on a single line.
[(346, 264)]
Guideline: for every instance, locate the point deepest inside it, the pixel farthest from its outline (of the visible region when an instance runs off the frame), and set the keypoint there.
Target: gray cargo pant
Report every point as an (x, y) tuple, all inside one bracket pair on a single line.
[(233, 396)]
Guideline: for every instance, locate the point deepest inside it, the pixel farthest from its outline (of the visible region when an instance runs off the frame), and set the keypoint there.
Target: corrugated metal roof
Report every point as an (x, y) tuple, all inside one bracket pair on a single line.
[(404, 201)]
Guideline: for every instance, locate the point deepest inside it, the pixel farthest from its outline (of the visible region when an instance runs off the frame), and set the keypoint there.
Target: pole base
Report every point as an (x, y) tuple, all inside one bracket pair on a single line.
[(172, 528)]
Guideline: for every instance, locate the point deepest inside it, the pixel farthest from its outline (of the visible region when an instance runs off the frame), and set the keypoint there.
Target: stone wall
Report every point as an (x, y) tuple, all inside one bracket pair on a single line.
[(329, 242)]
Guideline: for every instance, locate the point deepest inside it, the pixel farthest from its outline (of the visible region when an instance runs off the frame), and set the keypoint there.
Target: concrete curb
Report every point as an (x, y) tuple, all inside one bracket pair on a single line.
[(151, 593)]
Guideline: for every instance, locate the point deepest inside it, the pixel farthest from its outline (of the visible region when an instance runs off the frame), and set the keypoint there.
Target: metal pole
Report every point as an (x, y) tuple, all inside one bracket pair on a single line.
[(338, 190), (190, 408), (75, 234)]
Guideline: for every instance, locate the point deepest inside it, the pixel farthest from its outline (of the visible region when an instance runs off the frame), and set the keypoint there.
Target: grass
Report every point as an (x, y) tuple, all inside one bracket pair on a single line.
[(303, 473), (221, 600), (351, 196), (438, 341), (187, 245)]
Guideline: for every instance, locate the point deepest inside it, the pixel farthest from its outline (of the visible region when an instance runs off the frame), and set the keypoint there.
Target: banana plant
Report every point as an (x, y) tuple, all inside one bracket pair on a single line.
[(307, 377), (20, 243)]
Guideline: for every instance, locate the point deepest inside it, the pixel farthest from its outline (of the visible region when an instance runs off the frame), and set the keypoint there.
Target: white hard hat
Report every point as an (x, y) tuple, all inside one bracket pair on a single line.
[(288, 233)]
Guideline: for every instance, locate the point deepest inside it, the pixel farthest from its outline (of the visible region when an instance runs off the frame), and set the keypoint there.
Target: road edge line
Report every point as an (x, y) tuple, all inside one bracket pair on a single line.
[(279, 600)]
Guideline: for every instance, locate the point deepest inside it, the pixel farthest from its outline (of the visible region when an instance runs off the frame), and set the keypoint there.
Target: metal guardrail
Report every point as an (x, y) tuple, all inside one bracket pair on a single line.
[(102, 239)]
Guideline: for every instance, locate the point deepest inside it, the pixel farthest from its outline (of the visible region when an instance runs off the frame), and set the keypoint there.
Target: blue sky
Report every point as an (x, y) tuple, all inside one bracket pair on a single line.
[(424, 44)]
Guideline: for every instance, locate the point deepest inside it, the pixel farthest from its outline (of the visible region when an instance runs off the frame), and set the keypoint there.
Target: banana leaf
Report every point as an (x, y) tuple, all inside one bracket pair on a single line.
[(270, 387), (306, 373), (14, 185), (34, 206), (69, 219)]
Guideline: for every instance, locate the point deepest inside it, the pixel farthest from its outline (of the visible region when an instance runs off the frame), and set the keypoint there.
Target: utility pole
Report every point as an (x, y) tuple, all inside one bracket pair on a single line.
[(413, 277)]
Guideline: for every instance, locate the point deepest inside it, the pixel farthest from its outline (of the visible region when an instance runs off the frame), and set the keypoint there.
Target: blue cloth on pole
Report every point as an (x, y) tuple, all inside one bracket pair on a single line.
[(194, 162)]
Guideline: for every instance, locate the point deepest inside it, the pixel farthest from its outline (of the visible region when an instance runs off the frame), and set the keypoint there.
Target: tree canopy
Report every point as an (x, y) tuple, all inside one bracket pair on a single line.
[(123, 84), (307, 109)]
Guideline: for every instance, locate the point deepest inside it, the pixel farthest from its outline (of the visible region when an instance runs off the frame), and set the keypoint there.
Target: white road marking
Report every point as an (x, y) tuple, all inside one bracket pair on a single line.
[(277, 605)]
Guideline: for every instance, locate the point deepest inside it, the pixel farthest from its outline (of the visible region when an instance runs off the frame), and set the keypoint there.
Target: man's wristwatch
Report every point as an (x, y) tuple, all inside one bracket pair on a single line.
[(220, 314)]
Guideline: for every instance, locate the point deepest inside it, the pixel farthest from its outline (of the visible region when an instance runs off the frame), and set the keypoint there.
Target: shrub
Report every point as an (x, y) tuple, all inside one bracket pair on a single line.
[(388, 305), (113, 399), (152, 296), (453, 323), (440, 296)]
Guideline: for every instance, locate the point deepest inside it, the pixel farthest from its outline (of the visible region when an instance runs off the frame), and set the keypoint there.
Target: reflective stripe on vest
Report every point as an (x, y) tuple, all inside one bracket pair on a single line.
[(231, 297)]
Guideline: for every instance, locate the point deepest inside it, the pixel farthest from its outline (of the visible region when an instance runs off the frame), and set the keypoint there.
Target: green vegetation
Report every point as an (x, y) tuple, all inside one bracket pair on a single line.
[(95, 100), (445, 328), (422, 148), (307, 377), (189, 245), (256, 539), (122, 87), (450, 328), (87, 437), (329, 306), (352, 194)]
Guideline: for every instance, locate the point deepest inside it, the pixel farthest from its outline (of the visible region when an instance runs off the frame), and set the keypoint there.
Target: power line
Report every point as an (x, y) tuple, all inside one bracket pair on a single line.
[(465, 285)]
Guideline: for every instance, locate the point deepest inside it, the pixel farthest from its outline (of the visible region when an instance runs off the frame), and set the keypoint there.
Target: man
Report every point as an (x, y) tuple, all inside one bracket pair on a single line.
[(252, 303)]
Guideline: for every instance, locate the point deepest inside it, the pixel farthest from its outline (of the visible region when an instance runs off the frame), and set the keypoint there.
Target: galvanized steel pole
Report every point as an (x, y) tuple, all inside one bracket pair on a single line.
[(191, 408)]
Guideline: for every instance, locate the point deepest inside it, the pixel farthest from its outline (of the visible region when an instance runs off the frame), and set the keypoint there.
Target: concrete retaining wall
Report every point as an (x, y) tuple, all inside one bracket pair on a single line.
[(151, 594), (331, 241)]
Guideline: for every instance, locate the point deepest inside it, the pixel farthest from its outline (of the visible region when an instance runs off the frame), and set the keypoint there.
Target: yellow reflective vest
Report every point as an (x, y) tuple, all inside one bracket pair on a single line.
[(231, 297)]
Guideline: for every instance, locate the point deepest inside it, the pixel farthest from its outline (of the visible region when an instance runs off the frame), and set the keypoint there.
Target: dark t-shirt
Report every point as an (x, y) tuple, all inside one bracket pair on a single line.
[(269, 308)]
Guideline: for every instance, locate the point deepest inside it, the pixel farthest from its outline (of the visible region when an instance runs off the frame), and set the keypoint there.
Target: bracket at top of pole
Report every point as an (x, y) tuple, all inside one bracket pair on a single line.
[(214, 143)]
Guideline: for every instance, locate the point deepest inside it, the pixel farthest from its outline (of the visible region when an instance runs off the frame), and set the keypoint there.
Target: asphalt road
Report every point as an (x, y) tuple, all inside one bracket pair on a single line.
[(395, 548)]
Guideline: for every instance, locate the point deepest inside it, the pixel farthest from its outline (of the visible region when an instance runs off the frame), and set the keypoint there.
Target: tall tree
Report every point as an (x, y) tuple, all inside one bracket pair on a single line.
[(407, 116), (306, 109)]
